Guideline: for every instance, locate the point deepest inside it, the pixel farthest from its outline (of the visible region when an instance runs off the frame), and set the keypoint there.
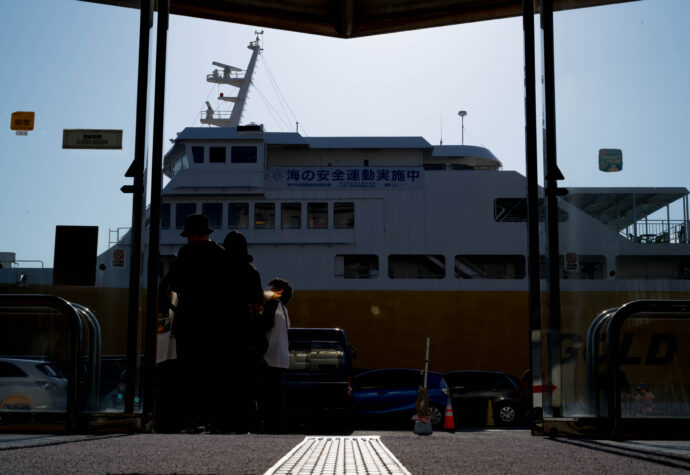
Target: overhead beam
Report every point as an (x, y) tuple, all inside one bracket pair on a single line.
[(353, 18)]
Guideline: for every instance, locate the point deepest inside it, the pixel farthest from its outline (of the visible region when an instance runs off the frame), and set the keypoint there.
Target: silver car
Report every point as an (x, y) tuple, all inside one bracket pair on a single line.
[(31, 385)]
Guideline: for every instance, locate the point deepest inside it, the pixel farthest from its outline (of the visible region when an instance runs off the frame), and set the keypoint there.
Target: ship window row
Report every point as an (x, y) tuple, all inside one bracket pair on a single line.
[(469, 266), (219, 154), (571, 266), (264, 215)]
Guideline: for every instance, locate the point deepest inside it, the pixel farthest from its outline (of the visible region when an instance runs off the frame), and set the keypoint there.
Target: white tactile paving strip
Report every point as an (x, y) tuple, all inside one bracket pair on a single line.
[(339, 455)]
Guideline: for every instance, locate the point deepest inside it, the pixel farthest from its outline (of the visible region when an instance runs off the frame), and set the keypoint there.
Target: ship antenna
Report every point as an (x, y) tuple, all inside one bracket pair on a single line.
[(231, 77), (441, 130)]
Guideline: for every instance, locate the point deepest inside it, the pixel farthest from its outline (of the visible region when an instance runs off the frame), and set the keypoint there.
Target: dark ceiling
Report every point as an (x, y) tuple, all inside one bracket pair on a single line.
[(352, 18)]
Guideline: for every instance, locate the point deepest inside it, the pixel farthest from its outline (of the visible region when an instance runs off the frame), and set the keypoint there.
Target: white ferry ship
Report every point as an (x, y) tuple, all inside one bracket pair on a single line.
[(394, 239)]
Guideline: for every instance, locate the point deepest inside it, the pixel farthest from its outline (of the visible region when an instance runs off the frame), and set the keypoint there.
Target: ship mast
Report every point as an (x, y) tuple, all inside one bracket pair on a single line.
[(230, 75)]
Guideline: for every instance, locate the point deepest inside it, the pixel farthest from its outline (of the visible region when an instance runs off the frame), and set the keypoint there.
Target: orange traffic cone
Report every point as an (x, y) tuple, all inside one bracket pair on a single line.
[(448, 420)]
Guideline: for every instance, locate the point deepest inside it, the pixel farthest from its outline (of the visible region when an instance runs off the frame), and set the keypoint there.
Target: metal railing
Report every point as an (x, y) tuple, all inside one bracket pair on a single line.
[(117, 237), (657, 231), (83, 365), (74, 318)]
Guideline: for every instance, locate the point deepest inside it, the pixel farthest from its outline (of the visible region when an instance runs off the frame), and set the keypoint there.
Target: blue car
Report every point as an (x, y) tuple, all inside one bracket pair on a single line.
[(390, 395)]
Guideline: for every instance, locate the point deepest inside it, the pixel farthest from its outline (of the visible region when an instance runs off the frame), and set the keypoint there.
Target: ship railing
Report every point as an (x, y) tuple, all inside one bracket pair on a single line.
[(216, 75), (206, 115), (657, 231), (116, 235)]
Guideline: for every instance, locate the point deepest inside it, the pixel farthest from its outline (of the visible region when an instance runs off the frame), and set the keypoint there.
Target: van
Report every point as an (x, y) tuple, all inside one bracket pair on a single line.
[(318, 384)]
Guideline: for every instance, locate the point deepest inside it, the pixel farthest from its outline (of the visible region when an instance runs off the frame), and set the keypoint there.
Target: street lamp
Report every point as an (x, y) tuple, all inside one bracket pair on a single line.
[(462, 115)]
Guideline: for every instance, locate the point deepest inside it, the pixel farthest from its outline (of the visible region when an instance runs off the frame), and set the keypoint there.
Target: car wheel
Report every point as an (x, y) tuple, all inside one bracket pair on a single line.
[(436, 416), (506, 414)]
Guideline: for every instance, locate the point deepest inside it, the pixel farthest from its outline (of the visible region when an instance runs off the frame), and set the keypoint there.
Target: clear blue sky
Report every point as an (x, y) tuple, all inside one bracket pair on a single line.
[(623, 81)]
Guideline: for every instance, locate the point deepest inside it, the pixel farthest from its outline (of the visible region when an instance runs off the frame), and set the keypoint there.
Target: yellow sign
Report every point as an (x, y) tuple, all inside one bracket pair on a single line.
[(22, 121)]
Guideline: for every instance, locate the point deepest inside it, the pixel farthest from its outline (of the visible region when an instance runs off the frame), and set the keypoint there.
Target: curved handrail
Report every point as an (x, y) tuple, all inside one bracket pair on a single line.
[(659, 308), (94, 341), (592, 352), (74, 343)]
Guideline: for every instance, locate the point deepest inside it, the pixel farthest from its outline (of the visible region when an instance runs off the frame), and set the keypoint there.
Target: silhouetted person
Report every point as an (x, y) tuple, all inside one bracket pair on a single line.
[(244, 299), (198, 275)]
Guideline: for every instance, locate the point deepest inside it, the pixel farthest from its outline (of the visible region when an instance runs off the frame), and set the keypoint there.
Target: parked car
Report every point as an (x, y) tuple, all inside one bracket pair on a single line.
[(470, 392), (390, 396), (32, 385), (318, 384)]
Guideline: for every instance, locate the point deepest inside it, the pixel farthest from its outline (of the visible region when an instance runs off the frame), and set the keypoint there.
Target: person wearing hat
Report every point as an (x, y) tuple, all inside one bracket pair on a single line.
[(199, 277)]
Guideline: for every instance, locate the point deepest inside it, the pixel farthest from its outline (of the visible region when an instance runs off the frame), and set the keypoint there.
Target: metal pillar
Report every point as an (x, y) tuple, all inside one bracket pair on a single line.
[(154, 227), (552, 402), (532, 200), (136, 171)]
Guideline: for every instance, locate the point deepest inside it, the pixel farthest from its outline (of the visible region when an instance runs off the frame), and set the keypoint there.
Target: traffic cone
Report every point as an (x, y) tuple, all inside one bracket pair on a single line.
[(490, 414), (448, 420)]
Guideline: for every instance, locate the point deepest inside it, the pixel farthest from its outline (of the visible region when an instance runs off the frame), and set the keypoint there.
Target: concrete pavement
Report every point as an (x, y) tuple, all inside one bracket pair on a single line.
[(481, 451)]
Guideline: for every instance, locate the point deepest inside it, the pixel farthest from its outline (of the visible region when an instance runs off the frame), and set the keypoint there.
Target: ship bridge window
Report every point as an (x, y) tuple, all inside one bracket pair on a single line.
[(264, 216), (165, 215), (216, 155), (490, 267), (317, 215), (238, 215), (182, 163), (214, 211), (291, 215), (357, 266), (577, 266), (416, 266), (243, 154), (182, 210), (198, 154), (514, 210), (653, 267), (343, 215)]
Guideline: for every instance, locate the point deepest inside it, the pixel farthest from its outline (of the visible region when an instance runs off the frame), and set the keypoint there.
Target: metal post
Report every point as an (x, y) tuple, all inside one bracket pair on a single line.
[(552, 403), (685, 219), (532, 201), (634, 211), (154, 226), (136, 171), (462, 115)]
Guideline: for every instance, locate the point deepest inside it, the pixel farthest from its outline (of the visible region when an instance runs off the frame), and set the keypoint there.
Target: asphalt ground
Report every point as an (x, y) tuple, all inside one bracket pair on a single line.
[(480, 451)]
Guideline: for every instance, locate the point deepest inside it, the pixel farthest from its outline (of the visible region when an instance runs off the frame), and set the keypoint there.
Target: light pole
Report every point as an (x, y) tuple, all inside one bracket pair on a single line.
[(462, 115)]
